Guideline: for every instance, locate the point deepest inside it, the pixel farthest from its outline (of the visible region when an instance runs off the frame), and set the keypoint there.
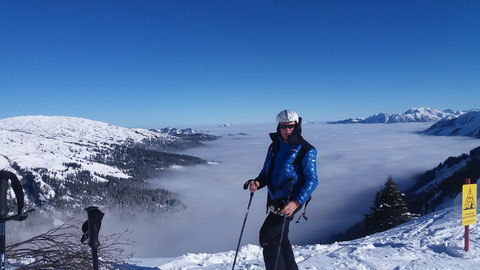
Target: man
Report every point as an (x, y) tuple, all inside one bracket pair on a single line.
[(290, 174)]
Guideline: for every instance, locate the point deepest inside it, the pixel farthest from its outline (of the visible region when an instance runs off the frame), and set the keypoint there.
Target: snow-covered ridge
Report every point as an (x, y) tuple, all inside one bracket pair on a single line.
[(73, 161), (441, 173), (50, 141), (63, 127), (175, 131), (186, 133), (434, 241), (466, 125), (422, 114), (439, 186)]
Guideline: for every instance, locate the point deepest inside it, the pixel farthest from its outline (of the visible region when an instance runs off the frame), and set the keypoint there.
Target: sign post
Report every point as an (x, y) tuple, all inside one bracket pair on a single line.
[(469, 208)]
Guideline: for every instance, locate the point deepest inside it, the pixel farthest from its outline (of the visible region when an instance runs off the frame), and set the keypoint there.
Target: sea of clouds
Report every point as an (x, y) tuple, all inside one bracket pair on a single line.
[(353, 163)]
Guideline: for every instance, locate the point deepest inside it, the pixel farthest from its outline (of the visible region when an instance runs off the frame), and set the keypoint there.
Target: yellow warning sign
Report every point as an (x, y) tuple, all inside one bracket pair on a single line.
[(469, 204)]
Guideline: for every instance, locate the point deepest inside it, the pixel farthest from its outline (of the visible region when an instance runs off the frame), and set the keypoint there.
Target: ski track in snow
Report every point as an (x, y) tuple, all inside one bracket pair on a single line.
[(434, 241)]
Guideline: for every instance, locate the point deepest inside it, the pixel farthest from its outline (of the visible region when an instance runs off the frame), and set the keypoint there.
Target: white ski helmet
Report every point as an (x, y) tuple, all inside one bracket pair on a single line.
[(287, 116)]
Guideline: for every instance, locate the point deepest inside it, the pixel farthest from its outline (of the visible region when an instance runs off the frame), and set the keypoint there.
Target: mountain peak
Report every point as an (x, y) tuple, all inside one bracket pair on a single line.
[(421, 110)]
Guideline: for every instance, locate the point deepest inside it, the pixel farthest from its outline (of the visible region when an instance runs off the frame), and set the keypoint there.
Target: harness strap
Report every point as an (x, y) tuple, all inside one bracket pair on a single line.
[(304, 210), (306, 146)]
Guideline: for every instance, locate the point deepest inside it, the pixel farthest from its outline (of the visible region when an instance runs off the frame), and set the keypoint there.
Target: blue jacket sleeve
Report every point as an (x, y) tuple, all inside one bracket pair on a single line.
[(310, 180), (262, 176)]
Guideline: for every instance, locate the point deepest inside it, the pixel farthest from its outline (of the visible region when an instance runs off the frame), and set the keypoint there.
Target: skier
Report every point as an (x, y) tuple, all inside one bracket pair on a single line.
[(290, 174)]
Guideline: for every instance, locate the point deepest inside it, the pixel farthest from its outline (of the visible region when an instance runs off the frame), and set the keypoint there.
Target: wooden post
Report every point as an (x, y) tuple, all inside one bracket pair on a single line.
[(467, 231)]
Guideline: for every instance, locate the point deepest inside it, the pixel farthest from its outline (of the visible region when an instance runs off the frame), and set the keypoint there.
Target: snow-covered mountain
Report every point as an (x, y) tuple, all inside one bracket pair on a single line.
[(437, 188), (466, 125), (434, 241), (72, 157), (175, 131), (50, 141), (187, 133), (423, 114)]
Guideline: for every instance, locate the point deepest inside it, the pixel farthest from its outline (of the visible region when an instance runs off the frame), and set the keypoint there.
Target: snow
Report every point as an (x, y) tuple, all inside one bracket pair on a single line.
[(465, 125), (441, 174), (177, 167), (50, 141), (422, 114), (175, 131), (434, 241)]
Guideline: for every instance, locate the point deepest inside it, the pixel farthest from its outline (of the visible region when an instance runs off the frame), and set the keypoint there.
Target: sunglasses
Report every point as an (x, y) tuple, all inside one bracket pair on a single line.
[(287, 126)]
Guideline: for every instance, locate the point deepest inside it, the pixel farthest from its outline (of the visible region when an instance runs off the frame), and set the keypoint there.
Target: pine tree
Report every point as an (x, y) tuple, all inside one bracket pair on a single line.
[(388, 210)]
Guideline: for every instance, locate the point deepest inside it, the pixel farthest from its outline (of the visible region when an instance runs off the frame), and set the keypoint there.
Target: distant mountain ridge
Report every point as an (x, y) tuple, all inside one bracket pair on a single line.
[(422, 114), (465, 125), (175, 131), (186, 133), (77, 162)]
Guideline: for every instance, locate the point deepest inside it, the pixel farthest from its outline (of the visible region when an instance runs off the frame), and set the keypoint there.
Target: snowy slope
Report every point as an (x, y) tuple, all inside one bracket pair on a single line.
[(441, 173), (465, 125), (434, 241), (436, 188), (423, 114), (51, 141), (187, 133), (72, 160)]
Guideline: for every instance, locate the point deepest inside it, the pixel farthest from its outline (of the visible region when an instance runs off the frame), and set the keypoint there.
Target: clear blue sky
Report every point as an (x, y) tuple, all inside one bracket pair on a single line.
[(175, 63)]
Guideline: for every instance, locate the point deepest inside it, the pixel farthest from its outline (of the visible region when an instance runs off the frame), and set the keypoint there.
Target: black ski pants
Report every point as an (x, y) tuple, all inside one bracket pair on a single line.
[(270, 241)]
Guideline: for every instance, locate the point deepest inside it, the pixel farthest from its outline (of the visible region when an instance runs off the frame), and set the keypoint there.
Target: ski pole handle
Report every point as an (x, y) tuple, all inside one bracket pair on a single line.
[(95, 217), (245, 186)]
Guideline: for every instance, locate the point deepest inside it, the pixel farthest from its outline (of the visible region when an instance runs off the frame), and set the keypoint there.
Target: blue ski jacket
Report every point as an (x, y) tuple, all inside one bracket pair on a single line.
[(277, 170)]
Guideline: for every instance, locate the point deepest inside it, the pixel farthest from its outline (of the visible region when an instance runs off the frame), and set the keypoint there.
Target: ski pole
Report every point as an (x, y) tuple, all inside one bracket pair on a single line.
[(3, 215), (283, 224), (20, 216), (245, 186), (90, 229)]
